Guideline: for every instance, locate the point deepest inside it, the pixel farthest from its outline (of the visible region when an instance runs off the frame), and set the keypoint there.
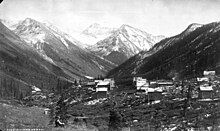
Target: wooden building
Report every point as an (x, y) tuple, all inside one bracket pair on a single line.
[(140, 83), (102, 89), (155, 94), (205, 92)]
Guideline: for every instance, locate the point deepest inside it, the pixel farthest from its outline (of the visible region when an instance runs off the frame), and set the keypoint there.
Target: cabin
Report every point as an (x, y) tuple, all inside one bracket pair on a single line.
[(97, 81), (155, 94), (46, 111), (90, 85), (35, 90), (103, 86), (102, 89), (165, 84), (203, 79), (205, 92), (111, 82), (140, 83), (209, 74)]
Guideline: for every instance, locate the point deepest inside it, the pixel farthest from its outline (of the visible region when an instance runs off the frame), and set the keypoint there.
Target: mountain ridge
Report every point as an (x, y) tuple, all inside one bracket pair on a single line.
[(125, 42), (176, 53), (55, 47)]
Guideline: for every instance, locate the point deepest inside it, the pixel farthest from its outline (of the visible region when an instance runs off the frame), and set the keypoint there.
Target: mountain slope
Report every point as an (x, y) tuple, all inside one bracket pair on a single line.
[(58, 48), (21, 67), (186, 55), (124, 43)]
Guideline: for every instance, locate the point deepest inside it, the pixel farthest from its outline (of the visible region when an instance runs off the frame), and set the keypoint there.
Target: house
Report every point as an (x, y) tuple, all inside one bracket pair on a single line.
[(140, 83), (155, 94), (205, 92), (165, 84), (97, 81), (203, 79), (35, 90), (112, 83), (90, 85), (102, 89), (46, 111), (209, 73), (103, 86)]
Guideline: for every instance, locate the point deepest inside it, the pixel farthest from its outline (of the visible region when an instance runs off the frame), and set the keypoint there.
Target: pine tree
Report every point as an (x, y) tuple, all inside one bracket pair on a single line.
[(62, 109), (115, 120)]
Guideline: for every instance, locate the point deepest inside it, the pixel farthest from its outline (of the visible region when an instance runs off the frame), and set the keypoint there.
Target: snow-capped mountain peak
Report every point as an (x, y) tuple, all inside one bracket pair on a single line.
[(29, 21), (125, 42), (30, 31), (96, 30), (94, 33), (9, 23), (192, 27)]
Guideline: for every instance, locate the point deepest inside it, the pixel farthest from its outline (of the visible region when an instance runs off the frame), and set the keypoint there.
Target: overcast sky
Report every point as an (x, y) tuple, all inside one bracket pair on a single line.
[(165, 17)]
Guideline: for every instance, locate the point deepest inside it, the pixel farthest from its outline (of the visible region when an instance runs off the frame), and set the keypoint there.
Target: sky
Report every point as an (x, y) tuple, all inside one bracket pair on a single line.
[(158, 17)]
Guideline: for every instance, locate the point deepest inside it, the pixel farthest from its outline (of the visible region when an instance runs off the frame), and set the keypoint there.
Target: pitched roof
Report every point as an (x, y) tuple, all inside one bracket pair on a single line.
[(206, 88), (101, 89), (103, 83), (155, 90)]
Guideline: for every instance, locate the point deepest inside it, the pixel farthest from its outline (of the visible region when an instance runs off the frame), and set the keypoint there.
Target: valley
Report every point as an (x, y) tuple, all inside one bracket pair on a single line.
[(116, 79)]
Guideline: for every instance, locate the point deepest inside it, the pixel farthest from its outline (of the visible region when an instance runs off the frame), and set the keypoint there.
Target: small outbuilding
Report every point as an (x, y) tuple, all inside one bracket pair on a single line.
[(205, 92), (102, 89), (155, 94)]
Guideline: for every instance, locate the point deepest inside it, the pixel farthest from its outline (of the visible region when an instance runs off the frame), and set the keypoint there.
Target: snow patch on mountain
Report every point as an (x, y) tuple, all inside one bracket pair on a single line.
[(193, 27), (94, 33), (30, 31), (9, 23), (64, 42)]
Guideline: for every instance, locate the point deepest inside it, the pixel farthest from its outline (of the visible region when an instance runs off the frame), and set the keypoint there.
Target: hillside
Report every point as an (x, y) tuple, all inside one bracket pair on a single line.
[(22, 67), (185, 55), (60, 49)]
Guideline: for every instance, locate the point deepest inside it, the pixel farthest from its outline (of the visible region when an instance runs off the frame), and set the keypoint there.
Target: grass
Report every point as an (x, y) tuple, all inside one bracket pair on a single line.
[(13, 115), (18, 116)]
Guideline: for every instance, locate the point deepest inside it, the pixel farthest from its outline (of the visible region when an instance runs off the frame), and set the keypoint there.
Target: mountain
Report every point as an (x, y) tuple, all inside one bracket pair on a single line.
[(183, 56), (94, 33), (22, 67), (124, 43), (96, 30), (9, 23), (61, 50)]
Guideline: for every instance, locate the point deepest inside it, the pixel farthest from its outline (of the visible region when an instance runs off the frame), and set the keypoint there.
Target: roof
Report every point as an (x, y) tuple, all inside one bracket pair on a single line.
[(153, 82), (203, 79), (206, 88), (90, 83), (101, 89), (205, 73), (109, 79), (98, 80), (155, 90), (35, 88), (139, 79), (165, 82), (103, 83), (142, 83)]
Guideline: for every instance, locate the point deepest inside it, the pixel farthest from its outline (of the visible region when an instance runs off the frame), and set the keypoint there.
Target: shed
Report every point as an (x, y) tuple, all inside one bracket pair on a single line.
[(155, 94), (140, 83), (103, 86), (102, 89), (205, 92)]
